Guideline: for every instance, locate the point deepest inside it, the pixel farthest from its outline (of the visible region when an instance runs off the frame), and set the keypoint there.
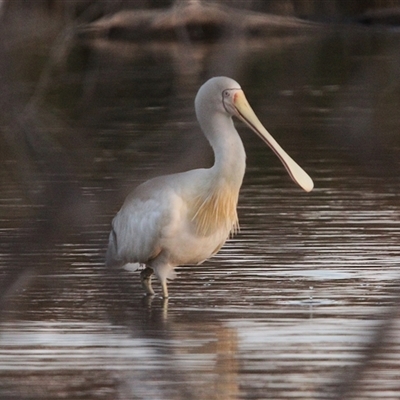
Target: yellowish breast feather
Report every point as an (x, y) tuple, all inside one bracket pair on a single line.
[(216, 211)]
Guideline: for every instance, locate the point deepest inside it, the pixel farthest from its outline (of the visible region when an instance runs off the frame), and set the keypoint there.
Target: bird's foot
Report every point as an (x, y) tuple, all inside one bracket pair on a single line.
[(145, 278)]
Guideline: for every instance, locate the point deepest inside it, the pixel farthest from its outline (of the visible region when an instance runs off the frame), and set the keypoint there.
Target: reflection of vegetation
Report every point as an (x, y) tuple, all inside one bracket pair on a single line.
[(299, 8), (121, 87)]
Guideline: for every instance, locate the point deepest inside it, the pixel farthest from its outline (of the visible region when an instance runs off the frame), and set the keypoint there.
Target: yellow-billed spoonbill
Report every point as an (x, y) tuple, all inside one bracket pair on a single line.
[(185, 218)]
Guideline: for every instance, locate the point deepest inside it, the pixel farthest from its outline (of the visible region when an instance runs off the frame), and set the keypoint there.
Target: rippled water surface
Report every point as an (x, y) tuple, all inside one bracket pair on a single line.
[(287, 309)]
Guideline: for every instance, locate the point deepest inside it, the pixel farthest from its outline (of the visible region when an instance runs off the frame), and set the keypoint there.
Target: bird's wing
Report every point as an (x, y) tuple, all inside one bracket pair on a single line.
[(154, 211), (136, 231), (144, 218)]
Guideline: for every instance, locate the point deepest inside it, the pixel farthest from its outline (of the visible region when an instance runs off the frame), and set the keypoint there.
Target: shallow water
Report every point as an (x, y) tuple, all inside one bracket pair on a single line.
[(289, 306)]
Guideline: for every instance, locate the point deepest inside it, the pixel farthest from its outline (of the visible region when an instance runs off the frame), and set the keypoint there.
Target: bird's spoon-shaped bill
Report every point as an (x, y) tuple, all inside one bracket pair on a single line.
[(247, 115)]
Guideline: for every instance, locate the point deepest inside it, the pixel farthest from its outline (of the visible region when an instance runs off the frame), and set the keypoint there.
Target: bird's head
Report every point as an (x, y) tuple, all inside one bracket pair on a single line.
[(224, 95)]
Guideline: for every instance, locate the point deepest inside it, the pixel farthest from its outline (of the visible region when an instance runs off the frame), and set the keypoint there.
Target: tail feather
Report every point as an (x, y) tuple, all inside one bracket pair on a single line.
[(112, 259), (132, 267)]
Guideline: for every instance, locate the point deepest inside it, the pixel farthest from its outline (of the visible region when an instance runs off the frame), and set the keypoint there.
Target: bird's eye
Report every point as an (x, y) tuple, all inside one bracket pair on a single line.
[(226, 93)]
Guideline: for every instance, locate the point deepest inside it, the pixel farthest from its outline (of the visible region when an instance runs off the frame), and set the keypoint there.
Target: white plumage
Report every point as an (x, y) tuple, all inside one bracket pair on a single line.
[(185, 218)]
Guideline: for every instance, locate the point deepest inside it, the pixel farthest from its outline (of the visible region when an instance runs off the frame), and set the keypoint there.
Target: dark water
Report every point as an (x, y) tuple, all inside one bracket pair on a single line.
[(289, 307)]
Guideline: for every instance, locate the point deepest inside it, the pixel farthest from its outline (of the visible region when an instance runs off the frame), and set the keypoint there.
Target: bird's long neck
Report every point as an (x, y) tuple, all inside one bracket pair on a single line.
[(216, 208), (230, 157)]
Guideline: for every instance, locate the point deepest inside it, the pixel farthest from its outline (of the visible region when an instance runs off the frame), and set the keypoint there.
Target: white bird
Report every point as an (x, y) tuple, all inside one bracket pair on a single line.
[(185, 218)]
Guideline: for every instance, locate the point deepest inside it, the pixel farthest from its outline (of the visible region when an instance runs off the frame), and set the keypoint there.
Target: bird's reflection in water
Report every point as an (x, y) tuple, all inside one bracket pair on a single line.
[(188, 356), (148, 300)]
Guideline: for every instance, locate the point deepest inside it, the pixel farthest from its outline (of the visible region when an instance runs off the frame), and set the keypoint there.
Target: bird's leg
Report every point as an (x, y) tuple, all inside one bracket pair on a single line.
[(164, 289), (145, 278)]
